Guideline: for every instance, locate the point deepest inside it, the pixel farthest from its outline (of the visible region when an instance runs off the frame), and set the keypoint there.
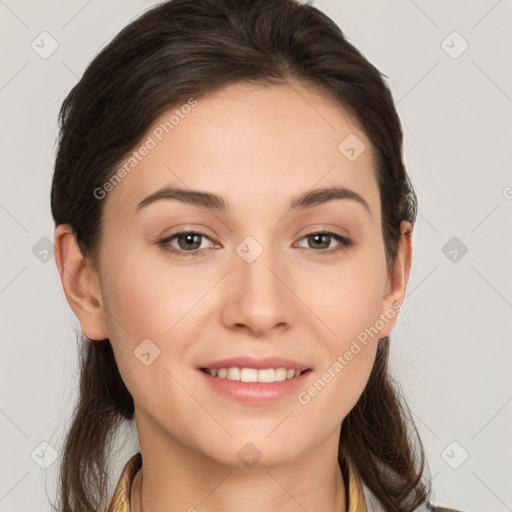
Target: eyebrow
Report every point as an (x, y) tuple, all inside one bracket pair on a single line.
[(210, 201)]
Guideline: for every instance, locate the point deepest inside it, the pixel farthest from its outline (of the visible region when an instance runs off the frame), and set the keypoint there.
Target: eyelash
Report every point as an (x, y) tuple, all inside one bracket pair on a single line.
[(344, 243)]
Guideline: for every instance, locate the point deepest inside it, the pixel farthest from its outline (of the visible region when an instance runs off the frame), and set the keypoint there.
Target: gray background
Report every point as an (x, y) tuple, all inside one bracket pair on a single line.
[(451, 349)]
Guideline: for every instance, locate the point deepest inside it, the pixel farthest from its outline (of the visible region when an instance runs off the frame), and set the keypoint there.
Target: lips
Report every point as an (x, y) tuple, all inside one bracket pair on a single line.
[(256, 393), (255, 380)]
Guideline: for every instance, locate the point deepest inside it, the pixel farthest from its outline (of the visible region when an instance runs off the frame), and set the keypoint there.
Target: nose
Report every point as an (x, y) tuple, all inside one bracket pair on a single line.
[(259, 296)]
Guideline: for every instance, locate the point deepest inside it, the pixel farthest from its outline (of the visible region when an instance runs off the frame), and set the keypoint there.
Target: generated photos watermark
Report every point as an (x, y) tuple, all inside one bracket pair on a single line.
[(150, 142), (342, 360)]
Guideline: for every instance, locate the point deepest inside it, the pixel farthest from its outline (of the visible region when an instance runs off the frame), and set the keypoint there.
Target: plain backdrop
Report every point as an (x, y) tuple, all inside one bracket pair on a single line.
[(449, 65)]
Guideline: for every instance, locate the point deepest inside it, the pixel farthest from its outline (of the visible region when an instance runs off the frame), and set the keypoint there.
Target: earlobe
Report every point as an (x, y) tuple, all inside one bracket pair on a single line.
[(80, 283), (397, 285)]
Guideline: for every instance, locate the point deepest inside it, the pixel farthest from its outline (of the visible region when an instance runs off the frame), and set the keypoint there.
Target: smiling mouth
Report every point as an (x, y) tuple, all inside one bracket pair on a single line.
[(267, 375)]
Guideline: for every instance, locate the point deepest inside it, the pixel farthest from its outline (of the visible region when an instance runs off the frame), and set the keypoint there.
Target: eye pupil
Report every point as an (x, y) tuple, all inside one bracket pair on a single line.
[(317, 236), (188, 241)]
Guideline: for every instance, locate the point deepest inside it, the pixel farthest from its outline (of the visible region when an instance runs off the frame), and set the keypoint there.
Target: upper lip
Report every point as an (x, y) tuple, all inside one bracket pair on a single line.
[(259, 363)]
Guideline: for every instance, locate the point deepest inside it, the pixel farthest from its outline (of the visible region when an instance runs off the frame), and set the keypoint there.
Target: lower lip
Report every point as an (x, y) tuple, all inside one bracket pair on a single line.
[(256, 392)]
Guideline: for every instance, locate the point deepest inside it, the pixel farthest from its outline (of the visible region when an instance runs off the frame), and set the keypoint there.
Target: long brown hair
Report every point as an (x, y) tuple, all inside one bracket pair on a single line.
[(188, 48)]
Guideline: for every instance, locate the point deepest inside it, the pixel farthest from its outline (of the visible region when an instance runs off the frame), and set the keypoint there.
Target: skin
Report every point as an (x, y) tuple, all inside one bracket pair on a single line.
[(258, 147)]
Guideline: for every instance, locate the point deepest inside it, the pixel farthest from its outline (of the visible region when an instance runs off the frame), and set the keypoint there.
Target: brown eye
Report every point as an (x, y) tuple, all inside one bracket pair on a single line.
[(186, 242), (321, 242), (315, 241)]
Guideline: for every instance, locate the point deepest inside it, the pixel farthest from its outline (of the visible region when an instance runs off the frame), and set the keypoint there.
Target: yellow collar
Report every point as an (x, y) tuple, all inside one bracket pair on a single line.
[(121, 499)]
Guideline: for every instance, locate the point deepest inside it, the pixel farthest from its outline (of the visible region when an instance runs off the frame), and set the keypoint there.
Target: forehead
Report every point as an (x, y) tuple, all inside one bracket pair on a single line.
[(250, 144)]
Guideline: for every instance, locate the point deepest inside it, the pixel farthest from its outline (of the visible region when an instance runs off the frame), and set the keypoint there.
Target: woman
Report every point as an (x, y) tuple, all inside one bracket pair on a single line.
[(233, 232)]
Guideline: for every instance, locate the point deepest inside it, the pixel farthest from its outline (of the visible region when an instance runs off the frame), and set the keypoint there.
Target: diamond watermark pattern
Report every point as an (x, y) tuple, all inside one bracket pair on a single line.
[(352, 147), (454, 45), (249, 454), (44, 455), (454, 249), (146, 352), (249, 249), (43, 249), (44, 45), (454, 455)]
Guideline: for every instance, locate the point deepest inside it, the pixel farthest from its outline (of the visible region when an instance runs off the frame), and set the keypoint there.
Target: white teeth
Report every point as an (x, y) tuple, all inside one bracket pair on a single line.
[(249, 375), (233, 373), (265, 375), (253, 374), (280, 374)]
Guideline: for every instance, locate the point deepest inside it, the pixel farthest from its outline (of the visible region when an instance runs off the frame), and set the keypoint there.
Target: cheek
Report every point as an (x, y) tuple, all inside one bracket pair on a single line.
[(348, 299), (145, 303), (348, 358), (145, 296), (347, 296)]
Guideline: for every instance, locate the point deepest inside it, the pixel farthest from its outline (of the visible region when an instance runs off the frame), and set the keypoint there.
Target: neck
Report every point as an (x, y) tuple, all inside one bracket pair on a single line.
[(174, 478)]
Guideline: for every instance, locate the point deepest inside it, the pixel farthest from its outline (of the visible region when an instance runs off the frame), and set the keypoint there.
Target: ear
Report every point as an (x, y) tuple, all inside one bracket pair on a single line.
[(81, 284), (397, 282)]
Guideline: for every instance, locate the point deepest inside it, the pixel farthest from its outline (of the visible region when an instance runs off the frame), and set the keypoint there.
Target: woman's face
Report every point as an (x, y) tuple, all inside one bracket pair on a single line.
[(251, 280)]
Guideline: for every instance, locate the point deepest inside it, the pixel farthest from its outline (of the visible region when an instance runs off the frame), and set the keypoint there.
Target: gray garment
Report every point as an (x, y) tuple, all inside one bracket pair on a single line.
[(374, 505)]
